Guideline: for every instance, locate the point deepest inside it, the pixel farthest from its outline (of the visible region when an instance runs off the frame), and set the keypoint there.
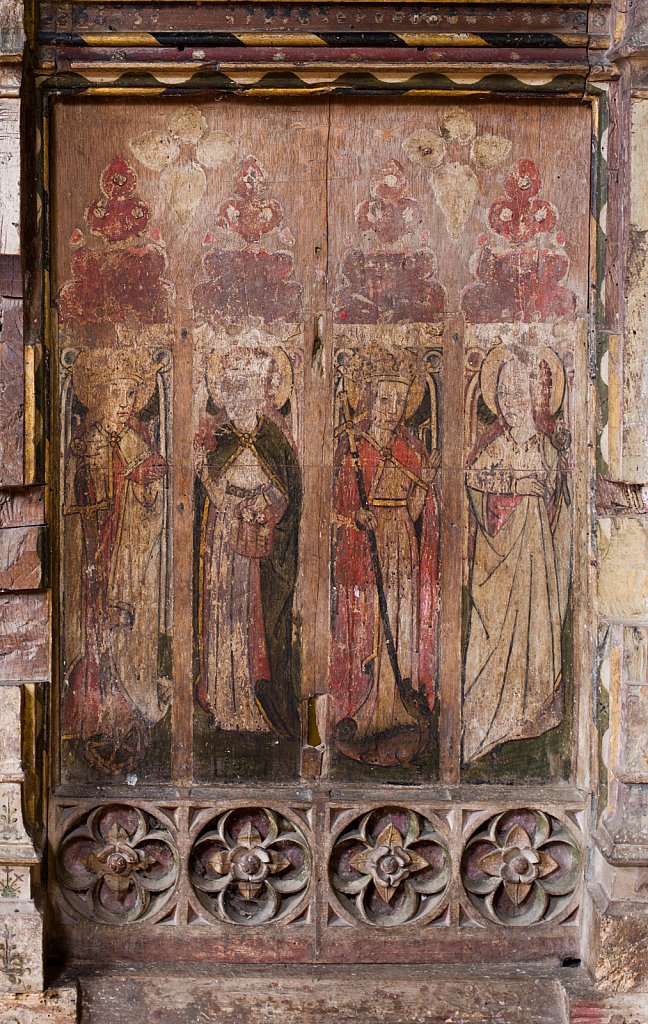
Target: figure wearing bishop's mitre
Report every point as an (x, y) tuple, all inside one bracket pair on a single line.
[(248, 506), (384, 497), (113, 571)]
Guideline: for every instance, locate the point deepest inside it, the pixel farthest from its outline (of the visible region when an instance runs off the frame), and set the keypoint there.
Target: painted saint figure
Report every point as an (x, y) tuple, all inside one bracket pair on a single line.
[(249, 503), (519, 588), (385, 586), (114, 498)]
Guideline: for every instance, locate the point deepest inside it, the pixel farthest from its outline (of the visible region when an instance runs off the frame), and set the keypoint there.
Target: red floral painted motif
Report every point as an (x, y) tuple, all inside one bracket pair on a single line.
[(119, 213), (518, 215), (246, 283), (390, 212), (249, 212), (121, 279), (390, 288), (522, 280)]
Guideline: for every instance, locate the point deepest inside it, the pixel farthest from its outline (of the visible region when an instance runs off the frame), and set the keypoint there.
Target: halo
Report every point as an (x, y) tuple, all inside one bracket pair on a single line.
[(489, 373), (93, 370), (282, 378), (500, 354), (557, 377), (414, 398)]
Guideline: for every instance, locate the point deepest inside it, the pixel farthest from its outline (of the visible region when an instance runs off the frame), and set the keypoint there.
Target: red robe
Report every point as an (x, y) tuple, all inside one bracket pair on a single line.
[(356, 631)]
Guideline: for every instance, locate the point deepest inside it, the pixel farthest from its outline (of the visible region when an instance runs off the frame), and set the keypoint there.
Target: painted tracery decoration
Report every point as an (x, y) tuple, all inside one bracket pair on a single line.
[(250, 212), (249, 279), (389, 288), (117, 272), (181, 152), (389, 283), (115, 408), (389, 212), (520, 500), (258, 392), (453, 153)]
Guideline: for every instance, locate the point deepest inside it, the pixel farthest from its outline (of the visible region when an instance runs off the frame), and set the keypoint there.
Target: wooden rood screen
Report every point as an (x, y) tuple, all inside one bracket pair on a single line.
[(321, 444)]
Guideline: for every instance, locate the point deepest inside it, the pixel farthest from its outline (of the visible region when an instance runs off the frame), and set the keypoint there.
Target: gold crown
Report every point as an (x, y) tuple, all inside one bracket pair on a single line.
[(384, 365)]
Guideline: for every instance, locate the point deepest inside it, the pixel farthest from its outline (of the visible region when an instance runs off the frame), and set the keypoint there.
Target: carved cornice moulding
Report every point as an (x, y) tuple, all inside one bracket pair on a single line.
[(633, 44)]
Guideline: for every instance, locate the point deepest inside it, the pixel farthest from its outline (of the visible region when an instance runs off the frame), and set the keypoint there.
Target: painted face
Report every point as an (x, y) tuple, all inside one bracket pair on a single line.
[(242, 390), (117, 403), (513, 395), (389, 402)]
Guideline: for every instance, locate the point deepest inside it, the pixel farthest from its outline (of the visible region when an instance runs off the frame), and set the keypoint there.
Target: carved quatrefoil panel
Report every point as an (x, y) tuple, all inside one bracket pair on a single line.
[(522, 867), (250, 866), (117, 865), (390, 867)]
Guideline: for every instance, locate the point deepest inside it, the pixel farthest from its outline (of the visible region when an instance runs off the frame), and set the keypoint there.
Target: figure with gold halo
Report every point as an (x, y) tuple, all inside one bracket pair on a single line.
[(248, 504), (521, 567), (115, 500), (385, 566)]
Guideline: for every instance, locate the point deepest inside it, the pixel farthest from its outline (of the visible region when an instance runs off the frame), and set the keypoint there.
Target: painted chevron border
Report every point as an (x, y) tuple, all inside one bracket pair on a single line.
[(499, 40)]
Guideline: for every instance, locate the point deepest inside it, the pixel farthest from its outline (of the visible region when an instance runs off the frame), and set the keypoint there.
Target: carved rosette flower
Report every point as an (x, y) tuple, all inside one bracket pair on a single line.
[(390, 867), (522, 867), (119, 865), (251, 866)]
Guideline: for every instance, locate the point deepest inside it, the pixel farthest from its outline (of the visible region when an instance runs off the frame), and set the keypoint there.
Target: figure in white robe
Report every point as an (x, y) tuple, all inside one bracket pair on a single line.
[(521, 566)]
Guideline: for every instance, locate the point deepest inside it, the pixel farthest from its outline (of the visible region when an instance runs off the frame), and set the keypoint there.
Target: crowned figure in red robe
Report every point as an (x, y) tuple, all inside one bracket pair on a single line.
[(384, 497)]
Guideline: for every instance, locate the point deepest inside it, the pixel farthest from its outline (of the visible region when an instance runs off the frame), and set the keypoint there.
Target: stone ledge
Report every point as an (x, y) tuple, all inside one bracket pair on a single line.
[(505, 993), (56, 1006)]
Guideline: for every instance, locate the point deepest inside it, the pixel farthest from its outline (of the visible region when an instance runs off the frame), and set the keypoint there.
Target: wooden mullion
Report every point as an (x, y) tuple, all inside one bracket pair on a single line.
[(182, 547), (450, 667)]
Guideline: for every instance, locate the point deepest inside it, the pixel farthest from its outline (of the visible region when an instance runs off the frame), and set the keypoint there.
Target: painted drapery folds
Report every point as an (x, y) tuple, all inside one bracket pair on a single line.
[(518, 474), (114, 421), (248, 503), (317, 440), (520, 503), (115, 511), (385, 564)]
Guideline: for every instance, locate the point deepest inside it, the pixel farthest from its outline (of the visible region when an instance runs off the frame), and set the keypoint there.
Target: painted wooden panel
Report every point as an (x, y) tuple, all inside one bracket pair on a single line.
[(115, 394), (254, 307), (298, 344)]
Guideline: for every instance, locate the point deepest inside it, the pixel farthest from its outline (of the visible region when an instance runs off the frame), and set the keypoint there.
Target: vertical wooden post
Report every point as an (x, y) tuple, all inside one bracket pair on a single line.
[(452, 546)]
